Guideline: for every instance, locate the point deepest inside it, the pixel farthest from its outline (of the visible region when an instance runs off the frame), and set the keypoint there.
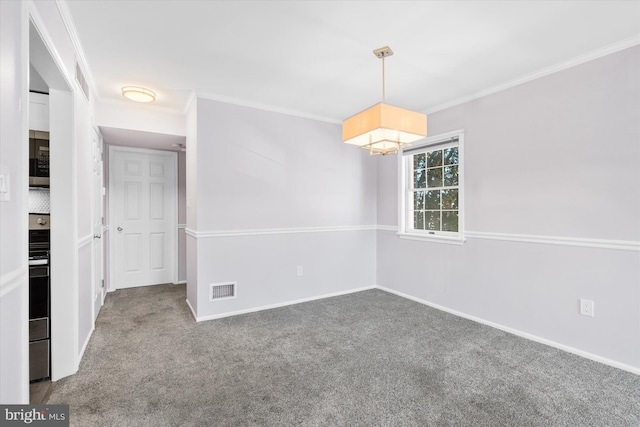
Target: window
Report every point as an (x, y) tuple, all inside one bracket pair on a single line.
[(431, 202)]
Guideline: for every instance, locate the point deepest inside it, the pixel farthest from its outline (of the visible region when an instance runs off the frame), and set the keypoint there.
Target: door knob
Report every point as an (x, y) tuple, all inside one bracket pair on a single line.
[(119, 228)]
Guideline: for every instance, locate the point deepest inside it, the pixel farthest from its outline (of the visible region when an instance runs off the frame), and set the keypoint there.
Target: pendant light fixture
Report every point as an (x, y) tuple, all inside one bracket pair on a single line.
[(384, 128)]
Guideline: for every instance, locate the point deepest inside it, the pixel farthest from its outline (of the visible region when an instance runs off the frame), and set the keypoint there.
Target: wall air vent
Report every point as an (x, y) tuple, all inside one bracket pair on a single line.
[(82, 81), (219, 291)]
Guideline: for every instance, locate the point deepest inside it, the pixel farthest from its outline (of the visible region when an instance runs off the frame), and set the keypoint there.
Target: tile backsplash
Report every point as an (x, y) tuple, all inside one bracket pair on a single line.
[(39, 200)]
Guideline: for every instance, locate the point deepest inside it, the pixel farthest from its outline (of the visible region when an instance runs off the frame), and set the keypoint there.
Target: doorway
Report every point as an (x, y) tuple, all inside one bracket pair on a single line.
[(63, 215), (143, 217)]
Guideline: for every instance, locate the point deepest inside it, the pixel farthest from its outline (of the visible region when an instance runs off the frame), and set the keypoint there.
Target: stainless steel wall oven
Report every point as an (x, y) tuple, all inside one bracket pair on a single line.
[(39, 298)]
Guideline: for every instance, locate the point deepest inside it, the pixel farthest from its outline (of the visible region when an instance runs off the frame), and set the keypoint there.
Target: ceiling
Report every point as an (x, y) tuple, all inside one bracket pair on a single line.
[(315, 58)]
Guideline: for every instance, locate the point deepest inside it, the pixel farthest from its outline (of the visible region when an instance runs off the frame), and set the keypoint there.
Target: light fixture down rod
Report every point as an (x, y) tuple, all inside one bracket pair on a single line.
[(383, 79), (382, 53)]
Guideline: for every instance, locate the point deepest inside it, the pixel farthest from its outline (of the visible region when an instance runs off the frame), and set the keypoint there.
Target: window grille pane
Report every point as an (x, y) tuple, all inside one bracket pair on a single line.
[(450, 176), (451, 156), (419, 179), (434, 177), (434, 158), (419, 161), (418, 200), (450, 199), (432, 220), (418, 220), (450, 221), (432, 200)]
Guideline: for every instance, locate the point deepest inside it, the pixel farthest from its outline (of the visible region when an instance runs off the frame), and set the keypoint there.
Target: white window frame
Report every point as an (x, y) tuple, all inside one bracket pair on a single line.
[(404, 169)]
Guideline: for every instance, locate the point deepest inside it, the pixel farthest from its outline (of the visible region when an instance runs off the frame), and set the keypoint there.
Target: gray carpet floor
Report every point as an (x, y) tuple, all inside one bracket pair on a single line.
[(364, 359)]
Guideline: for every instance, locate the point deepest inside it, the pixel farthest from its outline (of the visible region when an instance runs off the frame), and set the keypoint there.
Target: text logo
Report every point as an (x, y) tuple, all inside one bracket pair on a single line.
[(34, 415)]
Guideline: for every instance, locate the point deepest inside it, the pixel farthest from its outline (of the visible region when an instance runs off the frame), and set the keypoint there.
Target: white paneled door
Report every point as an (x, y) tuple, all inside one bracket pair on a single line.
[(143, 216)]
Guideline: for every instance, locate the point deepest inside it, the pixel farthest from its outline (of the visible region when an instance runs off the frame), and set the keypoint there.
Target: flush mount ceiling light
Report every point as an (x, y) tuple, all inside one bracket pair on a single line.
[(138, 94), (384, 128)]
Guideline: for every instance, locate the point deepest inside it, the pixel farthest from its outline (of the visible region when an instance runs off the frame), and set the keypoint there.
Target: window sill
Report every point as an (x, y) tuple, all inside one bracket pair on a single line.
[(431, 238)]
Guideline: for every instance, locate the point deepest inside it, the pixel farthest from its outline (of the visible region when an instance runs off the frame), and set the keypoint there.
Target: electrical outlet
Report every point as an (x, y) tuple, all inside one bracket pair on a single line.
[(586, 307), (299, 271)]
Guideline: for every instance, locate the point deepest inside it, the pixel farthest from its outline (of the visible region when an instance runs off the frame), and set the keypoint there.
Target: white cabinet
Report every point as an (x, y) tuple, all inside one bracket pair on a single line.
[(38, 111)]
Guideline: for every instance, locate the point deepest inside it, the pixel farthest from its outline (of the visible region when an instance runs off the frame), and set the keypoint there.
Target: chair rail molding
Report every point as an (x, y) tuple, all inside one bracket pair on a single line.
[(264, 231), (626, 245), (13, 280)]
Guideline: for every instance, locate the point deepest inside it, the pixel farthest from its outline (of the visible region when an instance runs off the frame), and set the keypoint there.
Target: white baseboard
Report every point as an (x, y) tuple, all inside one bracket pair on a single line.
[(180, 282), (97, 299), (278, 305), (84, 346), (519, 333), (193, 312), (510, 330)]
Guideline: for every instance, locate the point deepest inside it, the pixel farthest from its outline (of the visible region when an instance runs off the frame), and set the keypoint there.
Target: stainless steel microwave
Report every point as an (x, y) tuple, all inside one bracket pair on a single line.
[(38, 158)]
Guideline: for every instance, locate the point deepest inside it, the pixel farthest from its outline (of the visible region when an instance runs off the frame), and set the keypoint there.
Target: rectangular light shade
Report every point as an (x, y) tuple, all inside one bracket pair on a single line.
[(384, 128)]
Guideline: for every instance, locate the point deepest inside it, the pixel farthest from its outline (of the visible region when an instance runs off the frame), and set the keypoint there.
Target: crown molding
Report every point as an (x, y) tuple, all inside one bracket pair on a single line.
[(192, 96), (67, 18), (265, 107), (81, 58), (590, 56)]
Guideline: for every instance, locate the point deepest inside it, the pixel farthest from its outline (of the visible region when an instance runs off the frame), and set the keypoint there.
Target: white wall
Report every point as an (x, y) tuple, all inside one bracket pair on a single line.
[(64, 233), (191, 181), (84, 178), (271, 170), (559, 157), (13, 140), (15, 16), (129, 115), (14, 310), (260, 171)]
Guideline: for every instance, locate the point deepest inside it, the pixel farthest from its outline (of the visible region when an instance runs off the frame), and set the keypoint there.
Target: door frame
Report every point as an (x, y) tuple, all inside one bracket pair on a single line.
[(97, 220), (65, 322), (174, 199)]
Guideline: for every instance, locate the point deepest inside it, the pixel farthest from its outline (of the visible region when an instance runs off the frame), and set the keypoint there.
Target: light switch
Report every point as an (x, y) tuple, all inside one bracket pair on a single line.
[(5, 185)]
